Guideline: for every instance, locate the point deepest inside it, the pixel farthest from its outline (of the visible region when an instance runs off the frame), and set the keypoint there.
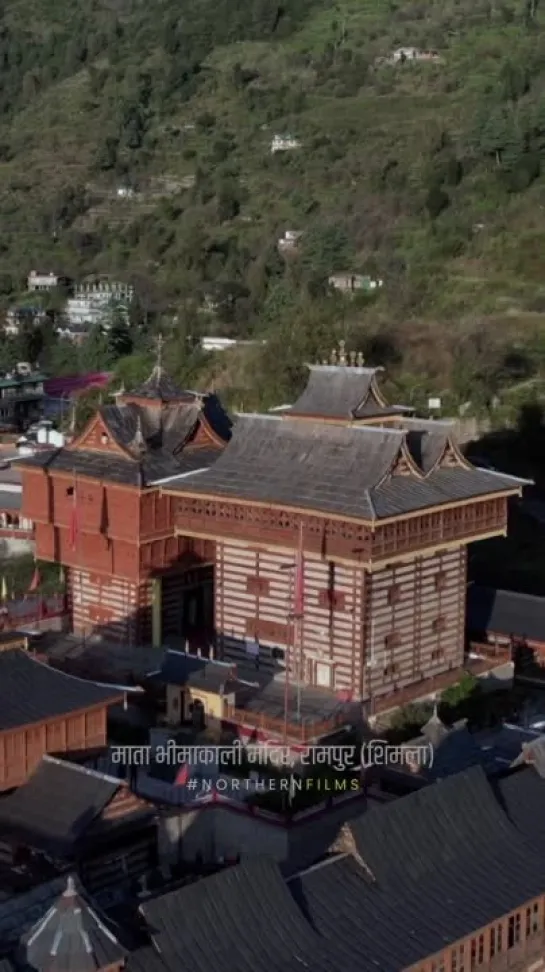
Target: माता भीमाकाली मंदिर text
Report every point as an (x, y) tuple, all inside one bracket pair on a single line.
[(339, 758)]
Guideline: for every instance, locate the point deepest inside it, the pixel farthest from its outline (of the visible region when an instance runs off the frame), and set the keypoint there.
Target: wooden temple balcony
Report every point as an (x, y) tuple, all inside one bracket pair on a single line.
[(527, 954), (301, 733)]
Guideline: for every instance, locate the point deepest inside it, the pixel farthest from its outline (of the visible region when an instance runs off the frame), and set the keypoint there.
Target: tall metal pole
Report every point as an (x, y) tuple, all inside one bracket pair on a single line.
[(300, 609), (288, 653)]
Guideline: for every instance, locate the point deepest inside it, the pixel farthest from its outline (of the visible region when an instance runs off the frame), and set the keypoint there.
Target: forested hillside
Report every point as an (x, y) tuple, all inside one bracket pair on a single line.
[(429, 175)]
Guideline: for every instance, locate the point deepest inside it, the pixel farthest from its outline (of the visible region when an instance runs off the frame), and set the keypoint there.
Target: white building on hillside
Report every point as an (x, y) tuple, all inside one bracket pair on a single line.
[(284, 143), (94, 300), (38, 280)]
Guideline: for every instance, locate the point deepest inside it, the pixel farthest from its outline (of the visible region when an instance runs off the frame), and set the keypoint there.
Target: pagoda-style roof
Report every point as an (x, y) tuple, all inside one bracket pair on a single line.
[(343, 393), (151, 434), (343, 390), (159, 387), (358, 471), (71, 937)]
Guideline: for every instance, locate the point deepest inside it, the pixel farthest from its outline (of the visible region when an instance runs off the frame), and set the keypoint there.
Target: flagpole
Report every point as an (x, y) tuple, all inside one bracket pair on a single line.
[(299, 619), (287, 662), (288, 652)]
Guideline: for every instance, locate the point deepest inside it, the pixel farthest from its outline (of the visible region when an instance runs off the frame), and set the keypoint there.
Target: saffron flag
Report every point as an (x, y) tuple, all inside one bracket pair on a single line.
[(182, 776), (74, 526), (299, 586)]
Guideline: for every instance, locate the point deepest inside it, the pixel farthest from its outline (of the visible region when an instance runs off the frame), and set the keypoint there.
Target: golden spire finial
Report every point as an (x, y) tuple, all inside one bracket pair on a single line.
[(342, 353), (334, 357), (360, 359)]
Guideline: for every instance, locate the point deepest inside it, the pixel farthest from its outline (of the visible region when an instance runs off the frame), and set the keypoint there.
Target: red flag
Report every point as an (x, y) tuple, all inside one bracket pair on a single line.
[(35, 582), (182, 776), (299, 592), (74, 526)]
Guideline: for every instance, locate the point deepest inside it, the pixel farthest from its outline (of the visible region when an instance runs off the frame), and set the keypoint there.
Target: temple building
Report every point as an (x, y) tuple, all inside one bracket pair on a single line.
[(98, 510), (329, 539)]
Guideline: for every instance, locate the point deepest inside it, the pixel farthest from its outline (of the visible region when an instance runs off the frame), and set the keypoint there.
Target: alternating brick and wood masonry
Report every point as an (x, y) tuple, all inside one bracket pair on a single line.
[(386, 505), (195, 526)]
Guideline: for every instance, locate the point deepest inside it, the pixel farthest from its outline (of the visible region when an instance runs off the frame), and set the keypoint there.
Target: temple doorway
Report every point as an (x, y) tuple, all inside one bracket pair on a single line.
[(188, 607)]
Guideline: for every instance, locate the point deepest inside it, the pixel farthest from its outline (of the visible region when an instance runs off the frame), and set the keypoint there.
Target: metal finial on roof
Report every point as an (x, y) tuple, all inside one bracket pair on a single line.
[(342, 352), (70, 891), (359, 359), (139, 441)]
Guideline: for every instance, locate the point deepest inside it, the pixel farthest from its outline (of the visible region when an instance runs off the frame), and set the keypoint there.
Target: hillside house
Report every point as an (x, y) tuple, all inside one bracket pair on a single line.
[(404, 54), (19, 316), (351, 283), (284, 143), (289, 241), (93, 299), (38, 280)]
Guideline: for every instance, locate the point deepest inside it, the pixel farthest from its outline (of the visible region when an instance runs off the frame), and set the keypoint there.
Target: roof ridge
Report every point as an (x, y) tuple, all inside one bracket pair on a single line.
[(86, 770)]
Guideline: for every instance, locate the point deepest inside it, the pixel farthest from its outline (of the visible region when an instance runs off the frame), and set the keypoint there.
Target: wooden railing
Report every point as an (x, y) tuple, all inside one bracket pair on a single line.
[(299, 732), (518, 958), (31, 610)]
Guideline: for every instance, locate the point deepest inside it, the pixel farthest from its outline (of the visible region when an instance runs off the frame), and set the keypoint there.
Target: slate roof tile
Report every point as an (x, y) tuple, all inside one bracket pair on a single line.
[(444, 862), (332, 468), (57, 805), (240, 920), (334, 391), (31, 691), (156, 437), (505, 613), (522, 796)]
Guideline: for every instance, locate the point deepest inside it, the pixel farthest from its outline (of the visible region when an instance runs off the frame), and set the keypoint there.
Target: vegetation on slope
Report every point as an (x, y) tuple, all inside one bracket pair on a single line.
[(427, 175)]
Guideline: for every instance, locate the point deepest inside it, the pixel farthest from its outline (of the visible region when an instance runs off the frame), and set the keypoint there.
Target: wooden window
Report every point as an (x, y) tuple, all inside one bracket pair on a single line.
[(536, 923), (457, 959), (258, 586), (437, 654), (513, 930), (331, 600), (439, 624), (496, 940), (392, 641), (477, 951), (394, 594), (440, 580)]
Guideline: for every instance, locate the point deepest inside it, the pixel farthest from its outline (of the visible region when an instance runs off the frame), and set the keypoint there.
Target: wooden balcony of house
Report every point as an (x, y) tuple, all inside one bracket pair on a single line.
[(529, 953)]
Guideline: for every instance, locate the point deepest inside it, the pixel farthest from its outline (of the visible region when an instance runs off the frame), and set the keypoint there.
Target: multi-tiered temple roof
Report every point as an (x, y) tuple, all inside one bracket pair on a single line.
[(344, 390), (152, 433), (342, 449)]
